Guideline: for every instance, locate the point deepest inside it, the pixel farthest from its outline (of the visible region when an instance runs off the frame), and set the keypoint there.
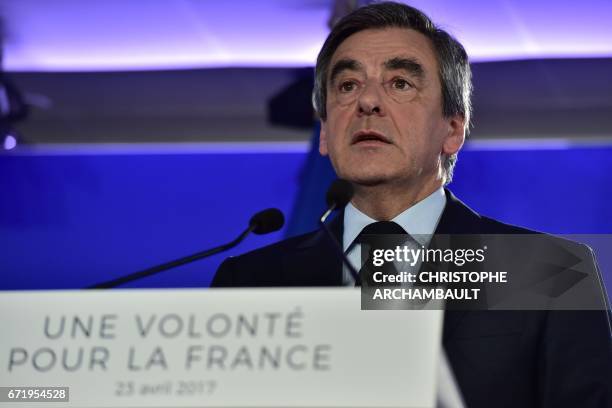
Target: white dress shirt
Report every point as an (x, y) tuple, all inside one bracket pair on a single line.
[(420, 221)]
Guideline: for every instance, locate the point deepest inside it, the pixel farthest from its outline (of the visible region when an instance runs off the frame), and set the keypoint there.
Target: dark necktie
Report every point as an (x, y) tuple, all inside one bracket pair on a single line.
[(381, 235)]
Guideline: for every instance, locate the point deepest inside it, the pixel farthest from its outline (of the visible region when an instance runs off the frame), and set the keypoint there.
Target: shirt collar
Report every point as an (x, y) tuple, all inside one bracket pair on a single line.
[(421, 218)]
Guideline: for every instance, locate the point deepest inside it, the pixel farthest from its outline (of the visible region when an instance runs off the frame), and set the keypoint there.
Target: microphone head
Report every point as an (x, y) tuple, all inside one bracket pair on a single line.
[(266, 221), (339, 193)]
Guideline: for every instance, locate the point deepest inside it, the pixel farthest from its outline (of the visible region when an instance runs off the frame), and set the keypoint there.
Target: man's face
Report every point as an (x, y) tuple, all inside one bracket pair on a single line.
[(384, 110)]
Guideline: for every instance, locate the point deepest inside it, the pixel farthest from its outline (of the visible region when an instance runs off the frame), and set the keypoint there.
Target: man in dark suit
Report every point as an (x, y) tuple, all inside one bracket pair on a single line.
[(393, 94)]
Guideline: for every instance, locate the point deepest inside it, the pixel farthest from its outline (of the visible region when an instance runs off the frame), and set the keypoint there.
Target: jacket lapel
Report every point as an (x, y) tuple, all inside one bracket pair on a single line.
[(457, 219), (315, 261)]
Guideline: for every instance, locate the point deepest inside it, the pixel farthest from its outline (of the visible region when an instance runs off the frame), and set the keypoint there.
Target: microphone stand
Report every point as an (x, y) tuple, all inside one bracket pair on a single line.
[(177, 262), (337, 246)]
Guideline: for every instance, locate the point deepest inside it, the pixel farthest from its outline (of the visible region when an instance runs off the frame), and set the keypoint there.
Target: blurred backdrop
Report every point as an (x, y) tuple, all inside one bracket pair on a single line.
[(133, 133)]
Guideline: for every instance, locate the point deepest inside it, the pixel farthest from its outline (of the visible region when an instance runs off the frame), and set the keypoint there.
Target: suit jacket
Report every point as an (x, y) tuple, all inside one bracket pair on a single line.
[(499, 358)]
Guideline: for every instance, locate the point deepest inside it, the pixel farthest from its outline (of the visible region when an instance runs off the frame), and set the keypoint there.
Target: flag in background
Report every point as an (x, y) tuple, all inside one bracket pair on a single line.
[(314, 180)]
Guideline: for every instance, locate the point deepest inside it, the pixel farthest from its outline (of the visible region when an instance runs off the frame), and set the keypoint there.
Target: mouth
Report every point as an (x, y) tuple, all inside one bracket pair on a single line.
[(369, 137)]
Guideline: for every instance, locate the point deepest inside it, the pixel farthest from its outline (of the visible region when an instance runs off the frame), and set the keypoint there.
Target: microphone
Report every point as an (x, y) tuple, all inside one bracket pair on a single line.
[(267, 221), (338, 196), (263, 222)]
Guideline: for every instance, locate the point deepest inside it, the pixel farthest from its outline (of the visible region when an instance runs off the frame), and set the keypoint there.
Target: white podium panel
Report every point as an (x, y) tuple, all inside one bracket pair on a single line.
[(217, 348)]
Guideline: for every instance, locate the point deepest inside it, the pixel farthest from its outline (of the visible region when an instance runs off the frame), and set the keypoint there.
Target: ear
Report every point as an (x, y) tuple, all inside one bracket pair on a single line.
[(455, 136), (323, 139)]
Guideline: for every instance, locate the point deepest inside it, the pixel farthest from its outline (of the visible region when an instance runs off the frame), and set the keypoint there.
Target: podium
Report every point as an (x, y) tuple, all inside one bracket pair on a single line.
[(301, 347)]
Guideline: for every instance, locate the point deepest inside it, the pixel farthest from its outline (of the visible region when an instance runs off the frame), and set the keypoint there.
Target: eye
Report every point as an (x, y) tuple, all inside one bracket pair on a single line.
[(400, 84), (347, 86)]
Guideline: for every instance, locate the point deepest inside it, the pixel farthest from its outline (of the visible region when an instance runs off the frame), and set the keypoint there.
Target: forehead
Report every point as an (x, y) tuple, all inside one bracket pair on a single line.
[(372, 47)]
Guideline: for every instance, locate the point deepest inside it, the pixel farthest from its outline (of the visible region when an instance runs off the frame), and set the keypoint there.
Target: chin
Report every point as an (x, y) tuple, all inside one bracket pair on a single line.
[(367, 178)]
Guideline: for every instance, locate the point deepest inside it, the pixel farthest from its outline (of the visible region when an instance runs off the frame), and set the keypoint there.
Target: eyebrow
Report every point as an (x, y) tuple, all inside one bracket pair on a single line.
[(344, 65), (409, 65)]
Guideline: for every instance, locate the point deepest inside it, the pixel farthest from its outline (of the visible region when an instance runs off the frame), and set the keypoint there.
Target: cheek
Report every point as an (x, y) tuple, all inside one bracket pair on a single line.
[(340, 111), (421, 142), (335, 130)]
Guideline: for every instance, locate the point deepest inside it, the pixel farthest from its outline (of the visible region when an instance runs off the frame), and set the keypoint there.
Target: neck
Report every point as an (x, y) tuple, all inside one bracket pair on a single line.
[(384, 202)]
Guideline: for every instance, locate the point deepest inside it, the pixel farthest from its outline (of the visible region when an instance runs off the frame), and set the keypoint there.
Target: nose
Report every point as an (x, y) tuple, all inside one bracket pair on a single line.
[(370, 100)]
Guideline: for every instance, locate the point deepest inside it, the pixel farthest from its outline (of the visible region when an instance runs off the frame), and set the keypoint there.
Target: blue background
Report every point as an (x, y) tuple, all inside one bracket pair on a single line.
[(71, 220)]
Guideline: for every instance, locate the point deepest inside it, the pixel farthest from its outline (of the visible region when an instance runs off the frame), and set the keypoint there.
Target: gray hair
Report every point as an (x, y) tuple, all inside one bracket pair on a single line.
[(455, 73)]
